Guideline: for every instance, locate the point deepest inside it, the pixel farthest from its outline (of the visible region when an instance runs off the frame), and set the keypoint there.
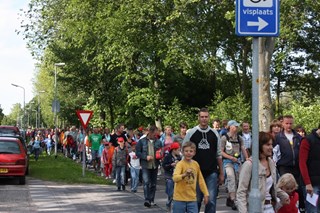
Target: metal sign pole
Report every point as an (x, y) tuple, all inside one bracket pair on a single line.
[(84, 154), (254, 196)]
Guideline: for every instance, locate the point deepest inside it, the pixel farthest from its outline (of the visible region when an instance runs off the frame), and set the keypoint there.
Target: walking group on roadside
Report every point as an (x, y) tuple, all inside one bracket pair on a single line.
[(197, 160)]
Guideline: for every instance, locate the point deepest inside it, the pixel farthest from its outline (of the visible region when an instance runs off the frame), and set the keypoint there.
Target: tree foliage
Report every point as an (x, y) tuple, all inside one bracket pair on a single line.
[(140, 62)]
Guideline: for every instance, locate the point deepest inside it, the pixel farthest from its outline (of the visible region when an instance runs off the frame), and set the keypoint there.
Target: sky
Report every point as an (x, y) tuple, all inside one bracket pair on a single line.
[(16, 63)]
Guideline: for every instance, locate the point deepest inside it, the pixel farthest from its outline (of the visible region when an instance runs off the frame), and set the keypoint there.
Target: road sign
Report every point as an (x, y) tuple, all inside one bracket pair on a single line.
[(257, 18), (84, 116), (55, 106)]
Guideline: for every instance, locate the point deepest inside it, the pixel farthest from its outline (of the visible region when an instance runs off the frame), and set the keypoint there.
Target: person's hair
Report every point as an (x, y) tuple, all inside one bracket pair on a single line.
[(152, 128), (188, 144), (288, 116), (203, 110), (287, 180), (216, 120), (245, 122), (299, 127), (275, 123), (167, 127), (264, 138), (183, 124), (224, 122), (119, 126), (280, 118)]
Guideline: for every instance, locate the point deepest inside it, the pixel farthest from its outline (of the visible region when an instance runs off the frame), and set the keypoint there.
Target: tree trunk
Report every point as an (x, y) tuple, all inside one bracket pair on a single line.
[(266, 48)]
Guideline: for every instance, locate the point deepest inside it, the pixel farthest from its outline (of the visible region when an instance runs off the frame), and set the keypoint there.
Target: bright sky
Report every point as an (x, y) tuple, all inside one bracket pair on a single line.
[(16, 63)]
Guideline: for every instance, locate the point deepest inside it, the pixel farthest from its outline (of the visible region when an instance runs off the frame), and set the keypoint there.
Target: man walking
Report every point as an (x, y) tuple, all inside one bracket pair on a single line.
[(208, 155), (146, 151), (286, 148)]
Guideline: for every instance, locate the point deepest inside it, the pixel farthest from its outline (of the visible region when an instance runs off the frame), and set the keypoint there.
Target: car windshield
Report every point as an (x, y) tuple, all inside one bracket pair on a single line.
[(9, 147)]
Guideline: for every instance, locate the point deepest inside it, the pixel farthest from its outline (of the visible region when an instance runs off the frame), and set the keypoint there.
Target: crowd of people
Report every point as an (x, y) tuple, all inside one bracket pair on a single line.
[(199, 159)]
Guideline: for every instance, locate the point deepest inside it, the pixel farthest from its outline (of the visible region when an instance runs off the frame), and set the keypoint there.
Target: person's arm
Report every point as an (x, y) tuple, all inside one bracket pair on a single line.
[(178, 174), (139, 150), (167, 162), (303, 157), (244, 186), (219, 160), (202, 183), (243, 148)]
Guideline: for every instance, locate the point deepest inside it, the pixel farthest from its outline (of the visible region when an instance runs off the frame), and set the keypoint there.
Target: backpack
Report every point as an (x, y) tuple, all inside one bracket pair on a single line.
[(229, 143)]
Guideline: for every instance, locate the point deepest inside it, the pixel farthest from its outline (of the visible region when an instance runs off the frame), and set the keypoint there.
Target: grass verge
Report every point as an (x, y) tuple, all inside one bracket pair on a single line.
[(62, 169)]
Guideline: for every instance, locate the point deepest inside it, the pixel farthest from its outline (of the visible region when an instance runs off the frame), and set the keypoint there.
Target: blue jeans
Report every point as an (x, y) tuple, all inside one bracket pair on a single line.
[(185, 206), (169, 190), (120, 175), (150, 183), (309, 207), (134, 178), (212, 183), (36, 153)]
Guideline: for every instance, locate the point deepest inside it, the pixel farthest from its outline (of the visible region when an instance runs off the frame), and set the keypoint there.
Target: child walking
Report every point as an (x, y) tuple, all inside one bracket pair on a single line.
[(105, 160), (169, 163), (134, 165), (119, 163), (186, 176), (288, 184)]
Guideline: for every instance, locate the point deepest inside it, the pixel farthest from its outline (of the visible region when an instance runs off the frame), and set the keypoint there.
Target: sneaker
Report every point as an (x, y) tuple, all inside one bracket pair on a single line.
[(147, 204), (114, 181), (153, 203), (233, 205), (134, 191), (107, 178), (302, 210), (119, 188), (123, 187), (228, 202)]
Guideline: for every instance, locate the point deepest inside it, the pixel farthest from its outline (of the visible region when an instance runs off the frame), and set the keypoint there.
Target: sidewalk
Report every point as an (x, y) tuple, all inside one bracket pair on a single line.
[(161, 196)]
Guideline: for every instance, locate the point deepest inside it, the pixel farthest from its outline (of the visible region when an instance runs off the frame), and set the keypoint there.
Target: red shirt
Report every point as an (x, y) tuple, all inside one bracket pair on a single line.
[(293, 206)]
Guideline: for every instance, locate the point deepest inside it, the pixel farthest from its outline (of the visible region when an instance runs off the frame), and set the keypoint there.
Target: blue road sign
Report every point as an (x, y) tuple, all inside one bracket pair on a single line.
[(257, 18)]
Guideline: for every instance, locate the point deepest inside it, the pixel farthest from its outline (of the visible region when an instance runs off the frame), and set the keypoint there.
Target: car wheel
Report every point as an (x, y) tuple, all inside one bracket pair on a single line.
[(22, 180)]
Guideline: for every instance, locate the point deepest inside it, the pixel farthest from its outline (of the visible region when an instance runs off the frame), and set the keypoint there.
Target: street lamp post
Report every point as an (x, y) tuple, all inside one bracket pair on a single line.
[(39, 113), (24, 104), (36, 116), (30, 107), (55, 108)]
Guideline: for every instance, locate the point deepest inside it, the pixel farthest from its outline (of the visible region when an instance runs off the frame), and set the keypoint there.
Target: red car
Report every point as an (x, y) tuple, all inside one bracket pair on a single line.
[(13, 158)]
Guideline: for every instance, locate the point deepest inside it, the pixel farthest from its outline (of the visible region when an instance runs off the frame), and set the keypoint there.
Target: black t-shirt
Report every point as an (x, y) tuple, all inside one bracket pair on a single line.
[(114, 139), (206, 141)]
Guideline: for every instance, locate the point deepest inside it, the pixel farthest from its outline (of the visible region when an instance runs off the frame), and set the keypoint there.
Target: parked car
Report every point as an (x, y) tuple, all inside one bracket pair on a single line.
[(9, 130), (13, 131), (14, 160)]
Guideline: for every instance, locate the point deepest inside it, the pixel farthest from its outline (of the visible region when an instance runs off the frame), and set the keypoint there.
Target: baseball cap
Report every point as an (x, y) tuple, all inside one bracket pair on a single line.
[(133, 143), (175, 145), (233, 123), (120, 139)]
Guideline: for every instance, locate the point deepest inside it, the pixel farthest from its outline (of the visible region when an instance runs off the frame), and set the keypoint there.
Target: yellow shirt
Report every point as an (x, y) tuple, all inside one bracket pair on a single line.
[(185, 188)]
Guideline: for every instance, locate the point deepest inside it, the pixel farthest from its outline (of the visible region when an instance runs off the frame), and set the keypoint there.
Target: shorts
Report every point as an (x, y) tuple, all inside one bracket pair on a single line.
[(94, 154)]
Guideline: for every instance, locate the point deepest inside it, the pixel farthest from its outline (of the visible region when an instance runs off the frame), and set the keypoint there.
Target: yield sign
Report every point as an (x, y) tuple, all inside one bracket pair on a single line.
[(84, 116)]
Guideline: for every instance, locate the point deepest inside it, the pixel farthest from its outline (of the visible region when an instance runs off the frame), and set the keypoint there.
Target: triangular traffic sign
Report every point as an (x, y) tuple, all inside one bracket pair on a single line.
[(84, 117)]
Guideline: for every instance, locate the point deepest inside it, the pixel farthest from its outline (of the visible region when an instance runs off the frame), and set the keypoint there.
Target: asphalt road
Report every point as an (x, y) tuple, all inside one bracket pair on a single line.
[(43, 196)]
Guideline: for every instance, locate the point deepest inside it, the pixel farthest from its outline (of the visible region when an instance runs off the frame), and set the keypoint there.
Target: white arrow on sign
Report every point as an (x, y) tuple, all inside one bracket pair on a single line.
[(85, 117), (260, 23)]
